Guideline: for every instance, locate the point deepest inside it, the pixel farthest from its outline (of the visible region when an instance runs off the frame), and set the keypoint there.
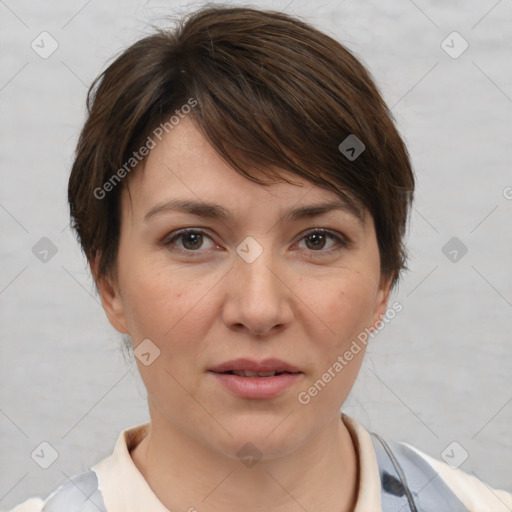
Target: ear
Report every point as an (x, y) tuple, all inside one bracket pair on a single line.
[(381, 300), (110, 297)]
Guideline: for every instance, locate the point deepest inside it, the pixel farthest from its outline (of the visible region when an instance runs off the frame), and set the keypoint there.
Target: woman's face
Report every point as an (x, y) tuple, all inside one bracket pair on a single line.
[(257, 283)]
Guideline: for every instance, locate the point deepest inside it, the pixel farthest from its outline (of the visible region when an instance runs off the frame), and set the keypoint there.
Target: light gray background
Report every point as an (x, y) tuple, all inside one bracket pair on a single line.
[(440, 372)]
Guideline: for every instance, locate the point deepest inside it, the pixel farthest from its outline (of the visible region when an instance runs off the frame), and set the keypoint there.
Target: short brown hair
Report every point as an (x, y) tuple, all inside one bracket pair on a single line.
[(271, 92)]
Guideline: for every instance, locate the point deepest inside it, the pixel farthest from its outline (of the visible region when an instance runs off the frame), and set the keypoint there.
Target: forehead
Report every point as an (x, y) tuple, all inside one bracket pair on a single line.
[(184, 172)]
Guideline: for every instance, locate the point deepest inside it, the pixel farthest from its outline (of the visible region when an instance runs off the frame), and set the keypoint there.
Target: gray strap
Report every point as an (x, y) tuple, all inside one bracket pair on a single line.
[(395, 493), (409, 483), (78, 494)]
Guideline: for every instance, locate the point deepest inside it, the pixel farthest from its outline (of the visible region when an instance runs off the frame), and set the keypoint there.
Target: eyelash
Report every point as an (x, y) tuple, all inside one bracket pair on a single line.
[(341, 240)]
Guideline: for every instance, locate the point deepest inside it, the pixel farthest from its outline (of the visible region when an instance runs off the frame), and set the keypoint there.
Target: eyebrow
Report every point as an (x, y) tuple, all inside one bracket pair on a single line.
[(216, 211)]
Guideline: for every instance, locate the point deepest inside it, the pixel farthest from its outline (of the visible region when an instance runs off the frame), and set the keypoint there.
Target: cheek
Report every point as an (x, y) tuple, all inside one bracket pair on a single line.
[(345, 307), (342, 311), (168, 310), (145, 294), (166, 307)]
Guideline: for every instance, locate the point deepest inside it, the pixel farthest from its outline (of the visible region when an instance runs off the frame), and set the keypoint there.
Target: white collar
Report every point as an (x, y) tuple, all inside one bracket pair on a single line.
[(124, 489)]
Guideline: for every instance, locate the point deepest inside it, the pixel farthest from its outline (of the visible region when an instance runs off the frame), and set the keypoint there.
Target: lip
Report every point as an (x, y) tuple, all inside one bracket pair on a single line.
[(257, 387), (267, 365)]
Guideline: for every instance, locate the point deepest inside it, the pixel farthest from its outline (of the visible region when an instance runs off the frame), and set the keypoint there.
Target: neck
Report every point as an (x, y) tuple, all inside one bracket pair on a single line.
[(185, 474)]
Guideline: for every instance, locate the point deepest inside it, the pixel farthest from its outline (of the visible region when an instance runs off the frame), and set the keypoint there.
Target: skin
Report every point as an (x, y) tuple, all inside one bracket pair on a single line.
[(300, 301)]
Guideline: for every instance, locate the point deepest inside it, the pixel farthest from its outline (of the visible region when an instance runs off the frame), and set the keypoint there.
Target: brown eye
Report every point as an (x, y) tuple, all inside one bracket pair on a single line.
[(191, 240), (317, 240)]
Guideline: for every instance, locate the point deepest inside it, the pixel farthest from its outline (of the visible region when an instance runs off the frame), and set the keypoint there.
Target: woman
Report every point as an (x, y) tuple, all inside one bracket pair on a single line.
[(241, 194)]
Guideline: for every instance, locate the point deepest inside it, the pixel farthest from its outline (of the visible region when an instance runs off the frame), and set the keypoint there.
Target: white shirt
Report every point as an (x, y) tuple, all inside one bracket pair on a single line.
[(124, 489)]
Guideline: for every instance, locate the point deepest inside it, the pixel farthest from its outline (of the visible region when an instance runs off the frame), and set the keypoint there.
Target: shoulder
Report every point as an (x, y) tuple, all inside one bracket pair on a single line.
[(414, 477), (30, 505), (473, 492), (79, 494)]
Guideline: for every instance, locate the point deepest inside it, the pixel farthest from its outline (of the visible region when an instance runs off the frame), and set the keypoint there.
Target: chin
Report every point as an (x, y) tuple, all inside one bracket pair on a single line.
[(264, 433)]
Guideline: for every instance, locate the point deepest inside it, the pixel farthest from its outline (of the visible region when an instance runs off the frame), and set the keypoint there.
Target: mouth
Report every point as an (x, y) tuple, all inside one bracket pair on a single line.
[(256, 380), (257, 385), (247, 373), (244, 367)]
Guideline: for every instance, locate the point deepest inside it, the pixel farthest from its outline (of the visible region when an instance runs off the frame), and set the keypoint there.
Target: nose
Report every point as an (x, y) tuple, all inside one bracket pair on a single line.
[(258, 300)]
